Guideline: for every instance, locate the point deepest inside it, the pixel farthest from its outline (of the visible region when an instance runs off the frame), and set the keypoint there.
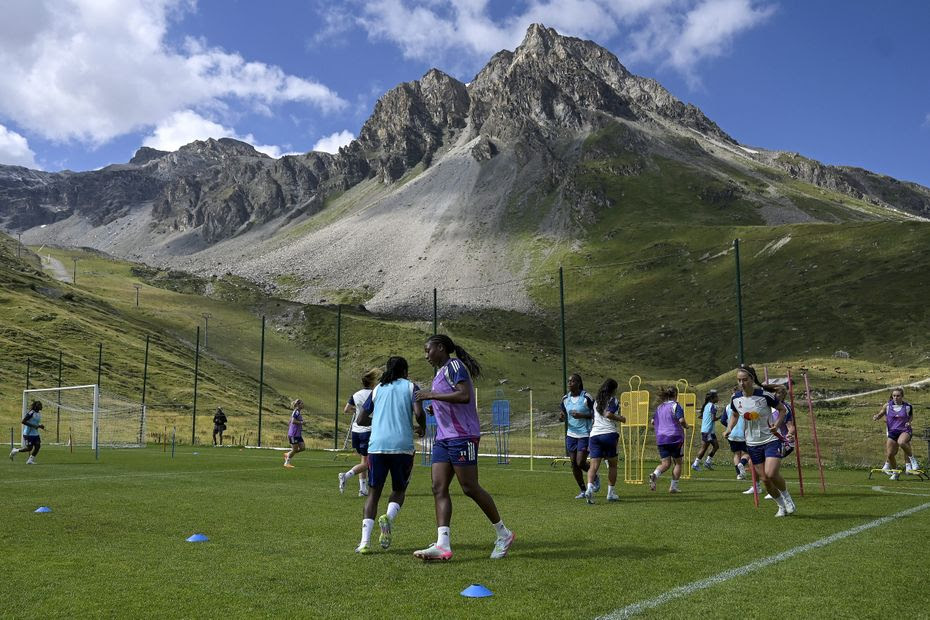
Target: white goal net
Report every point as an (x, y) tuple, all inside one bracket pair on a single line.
[(82, 415)]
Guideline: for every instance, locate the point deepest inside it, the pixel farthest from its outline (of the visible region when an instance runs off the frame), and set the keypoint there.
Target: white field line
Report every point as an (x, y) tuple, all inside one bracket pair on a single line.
[(703, 584), (884, 490)]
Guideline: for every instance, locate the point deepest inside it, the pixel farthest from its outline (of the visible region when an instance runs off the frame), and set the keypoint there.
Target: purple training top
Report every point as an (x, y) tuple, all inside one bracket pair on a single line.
[(899, 421), (295, 429), (454, 420), (665, 420)]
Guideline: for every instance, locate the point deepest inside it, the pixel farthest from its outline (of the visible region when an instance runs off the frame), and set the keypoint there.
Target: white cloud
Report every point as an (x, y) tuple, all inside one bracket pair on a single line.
[(90, 71), (14, 149), (186, 126), (332, 142), (675, 33), (926, 123)]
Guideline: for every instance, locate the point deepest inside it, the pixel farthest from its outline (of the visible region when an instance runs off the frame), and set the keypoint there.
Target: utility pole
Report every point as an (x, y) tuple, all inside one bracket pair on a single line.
[(137, 287), (19, 246), (206, 323), (74, 259)]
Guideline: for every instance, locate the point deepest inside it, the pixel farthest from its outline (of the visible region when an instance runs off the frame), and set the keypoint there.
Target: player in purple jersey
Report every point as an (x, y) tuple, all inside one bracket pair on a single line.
[(898, 415), (455, 450), (669, 424), (295, 437)]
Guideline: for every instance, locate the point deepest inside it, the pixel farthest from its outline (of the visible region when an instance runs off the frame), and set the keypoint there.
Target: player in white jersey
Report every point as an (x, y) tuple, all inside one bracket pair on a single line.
[(755, 404), (361, 434)]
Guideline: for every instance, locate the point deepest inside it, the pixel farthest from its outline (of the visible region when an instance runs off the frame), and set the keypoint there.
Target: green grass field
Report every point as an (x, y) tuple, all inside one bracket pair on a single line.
[(282, 541)]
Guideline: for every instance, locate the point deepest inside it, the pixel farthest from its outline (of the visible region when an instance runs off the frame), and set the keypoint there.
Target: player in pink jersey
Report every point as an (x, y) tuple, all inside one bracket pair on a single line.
[(455, 450)]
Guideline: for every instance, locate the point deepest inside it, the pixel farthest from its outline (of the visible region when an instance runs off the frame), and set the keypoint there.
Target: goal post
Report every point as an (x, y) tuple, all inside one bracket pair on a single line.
[(88, 417)]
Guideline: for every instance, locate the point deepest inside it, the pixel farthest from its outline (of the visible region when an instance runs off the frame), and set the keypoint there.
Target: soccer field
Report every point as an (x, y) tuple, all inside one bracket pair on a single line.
[(282, 543)]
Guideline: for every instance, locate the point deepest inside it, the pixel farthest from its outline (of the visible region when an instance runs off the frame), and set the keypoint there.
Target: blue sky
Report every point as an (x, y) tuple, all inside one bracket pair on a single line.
[(86, 82)]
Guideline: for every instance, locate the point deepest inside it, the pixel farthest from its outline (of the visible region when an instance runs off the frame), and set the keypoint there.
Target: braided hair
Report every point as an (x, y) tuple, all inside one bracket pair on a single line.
[(474, 369), (395, 368)]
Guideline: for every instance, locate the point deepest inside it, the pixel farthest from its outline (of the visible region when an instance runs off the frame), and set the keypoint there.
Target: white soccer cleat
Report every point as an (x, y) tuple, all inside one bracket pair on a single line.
[(435, 553), (580, 495), (502, 546), (652, 481), (740, 477), (767, 496), (342, 482), (781, 512), (589, 496), (597, 483), (790, 508), (363, 493), (696, 466), (613, 497), (709, 466), (674, 490), (30, 461), (364, 549), (750, 491), (894, 475), (13, 453)]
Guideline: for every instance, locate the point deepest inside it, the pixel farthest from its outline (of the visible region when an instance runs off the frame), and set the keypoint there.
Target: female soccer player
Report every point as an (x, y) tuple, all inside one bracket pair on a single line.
[(295, 436), (708, 416), (755, 405), (737, 440), (455, 451), (31, 422), (669, 424), (576, 407), (360, 433), (604, 438), (389, 410), (898, 414)]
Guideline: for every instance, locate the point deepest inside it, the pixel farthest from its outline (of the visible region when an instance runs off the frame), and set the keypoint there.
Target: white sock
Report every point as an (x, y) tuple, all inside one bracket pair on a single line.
[(786, 495), (887, 465), (367, 526), (780, 500), (696, 462), (393, 509), (707, 461), (674, 484), (610, 490), (501, 529), (362, 484), (348, 474), (657, 473), (591, 487), (442, 539)]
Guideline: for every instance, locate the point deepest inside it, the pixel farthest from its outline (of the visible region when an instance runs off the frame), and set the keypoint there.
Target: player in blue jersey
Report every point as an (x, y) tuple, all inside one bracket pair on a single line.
[(455, 451), (577, 407), (389, 410), (32, 441), (708, 415)]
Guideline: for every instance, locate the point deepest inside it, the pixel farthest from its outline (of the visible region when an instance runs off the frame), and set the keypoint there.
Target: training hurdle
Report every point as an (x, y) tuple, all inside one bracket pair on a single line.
[(920, 473), (687, 400), (634, 406)]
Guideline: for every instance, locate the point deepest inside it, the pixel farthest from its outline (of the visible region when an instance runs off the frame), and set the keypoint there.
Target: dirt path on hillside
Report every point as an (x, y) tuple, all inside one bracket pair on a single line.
[(915, 384), (56, 268)]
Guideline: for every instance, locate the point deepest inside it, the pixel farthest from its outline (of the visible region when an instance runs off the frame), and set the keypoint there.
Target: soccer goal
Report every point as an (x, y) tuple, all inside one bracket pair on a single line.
[(83, 416)]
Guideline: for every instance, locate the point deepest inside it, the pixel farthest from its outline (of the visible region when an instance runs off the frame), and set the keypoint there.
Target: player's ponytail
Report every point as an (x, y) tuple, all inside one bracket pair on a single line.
[(474, 368), (604, 394)]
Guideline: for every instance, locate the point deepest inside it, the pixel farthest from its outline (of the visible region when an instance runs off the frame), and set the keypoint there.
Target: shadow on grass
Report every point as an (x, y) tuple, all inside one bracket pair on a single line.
[(557, 550)]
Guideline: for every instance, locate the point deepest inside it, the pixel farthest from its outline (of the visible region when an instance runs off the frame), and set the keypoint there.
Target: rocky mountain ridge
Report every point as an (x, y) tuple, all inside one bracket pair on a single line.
[(521, 135)]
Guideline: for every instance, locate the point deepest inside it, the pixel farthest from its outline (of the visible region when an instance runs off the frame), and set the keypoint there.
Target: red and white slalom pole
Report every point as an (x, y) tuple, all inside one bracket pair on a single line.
[(810, 410), (797, 439)]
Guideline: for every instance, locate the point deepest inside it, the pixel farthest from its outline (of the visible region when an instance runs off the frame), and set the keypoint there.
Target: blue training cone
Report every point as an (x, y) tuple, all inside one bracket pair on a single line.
[(43, 509), (476, 590), (198, 538)]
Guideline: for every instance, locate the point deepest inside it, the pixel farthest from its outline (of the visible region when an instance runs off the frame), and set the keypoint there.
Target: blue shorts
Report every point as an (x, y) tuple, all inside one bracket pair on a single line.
[(770, 450), (670, 450), (32, 441), (457, 452), (400, 466), (295, 439), (576, 444), (893, 435), (360, 442), (604, 446), (737, 446), (710, 437)]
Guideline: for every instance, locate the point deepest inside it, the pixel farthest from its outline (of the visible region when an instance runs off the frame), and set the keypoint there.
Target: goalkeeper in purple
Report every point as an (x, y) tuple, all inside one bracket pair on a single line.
[(455, 450)]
